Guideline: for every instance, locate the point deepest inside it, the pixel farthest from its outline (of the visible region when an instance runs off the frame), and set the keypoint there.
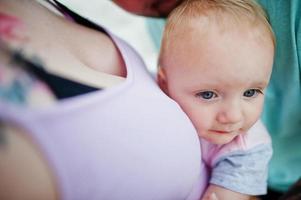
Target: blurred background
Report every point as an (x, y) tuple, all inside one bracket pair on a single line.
[(129, 27)]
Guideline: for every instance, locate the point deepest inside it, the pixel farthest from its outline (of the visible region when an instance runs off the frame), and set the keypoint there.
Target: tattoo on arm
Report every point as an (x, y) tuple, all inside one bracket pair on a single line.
[(18, 58), (22, 75)]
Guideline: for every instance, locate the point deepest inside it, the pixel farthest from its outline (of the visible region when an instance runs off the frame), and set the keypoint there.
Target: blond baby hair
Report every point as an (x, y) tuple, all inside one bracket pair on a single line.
[(246, 12)]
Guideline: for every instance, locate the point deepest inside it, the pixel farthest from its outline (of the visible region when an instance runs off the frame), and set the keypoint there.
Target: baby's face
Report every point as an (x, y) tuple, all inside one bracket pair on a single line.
[(219, 79)]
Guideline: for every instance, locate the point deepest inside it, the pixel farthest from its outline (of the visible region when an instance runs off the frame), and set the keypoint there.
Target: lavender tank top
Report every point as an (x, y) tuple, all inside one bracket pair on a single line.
[(128, 142)]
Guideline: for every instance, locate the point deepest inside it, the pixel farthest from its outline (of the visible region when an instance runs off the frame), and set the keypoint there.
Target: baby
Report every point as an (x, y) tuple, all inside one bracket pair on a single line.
[(215, 62)]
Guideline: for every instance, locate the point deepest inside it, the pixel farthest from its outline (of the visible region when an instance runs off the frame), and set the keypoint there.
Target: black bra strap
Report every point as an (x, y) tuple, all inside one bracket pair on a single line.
[(61, 87)]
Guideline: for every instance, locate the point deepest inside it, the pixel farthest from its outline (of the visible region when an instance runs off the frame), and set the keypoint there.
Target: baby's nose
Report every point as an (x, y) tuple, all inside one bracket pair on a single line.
[(231, 113)]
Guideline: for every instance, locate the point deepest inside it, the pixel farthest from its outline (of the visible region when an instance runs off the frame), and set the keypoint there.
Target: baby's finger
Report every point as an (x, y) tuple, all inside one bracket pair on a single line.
[(213, 197)]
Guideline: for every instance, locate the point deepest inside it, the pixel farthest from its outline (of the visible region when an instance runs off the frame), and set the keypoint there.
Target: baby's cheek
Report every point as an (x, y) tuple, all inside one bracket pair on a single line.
[(253, 114), (201, 127), (251, 122)]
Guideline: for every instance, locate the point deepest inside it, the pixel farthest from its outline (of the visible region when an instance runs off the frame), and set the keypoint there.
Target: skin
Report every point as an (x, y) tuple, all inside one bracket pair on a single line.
[(23, 171), (65, 48), (215, 193), (2, 138), (152, 8), (221, 86), (35, 171)]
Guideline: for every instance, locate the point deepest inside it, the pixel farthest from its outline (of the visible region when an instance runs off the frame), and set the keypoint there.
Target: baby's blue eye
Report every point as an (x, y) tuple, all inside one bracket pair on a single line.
[(206, 95), (251, 93)]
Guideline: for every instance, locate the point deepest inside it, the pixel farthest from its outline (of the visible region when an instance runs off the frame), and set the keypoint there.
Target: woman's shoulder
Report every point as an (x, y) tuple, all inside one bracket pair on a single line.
[(95, 61)]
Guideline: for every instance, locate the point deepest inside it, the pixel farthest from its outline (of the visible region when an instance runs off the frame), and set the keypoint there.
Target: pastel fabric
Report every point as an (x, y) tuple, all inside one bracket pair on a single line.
[(282, 109), (127, 142)]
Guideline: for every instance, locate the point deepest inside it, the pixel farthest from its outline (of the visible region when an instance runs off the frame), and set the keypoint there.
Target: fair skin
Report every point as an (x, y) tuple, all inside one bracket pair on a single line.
[(221, 86), (34, 168), (153, 8), (80, 60), (208, 85)]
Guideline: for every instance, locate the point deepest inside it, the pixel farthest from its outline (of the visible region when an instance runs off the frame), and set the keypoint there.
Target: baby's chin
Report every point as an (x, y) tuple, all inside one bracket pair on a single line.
[(219, 140)]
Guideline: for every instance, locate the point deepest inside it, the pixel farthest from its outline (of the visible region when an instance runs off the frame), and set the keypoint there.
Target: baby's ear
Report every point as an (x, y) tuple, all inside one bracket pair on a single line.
[(161, 79)]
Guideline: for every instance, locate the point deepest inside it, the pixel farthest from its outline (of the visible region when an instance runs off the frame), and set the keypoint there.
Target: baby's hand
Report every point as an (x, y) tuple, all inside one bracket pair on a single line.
[(212, 196)]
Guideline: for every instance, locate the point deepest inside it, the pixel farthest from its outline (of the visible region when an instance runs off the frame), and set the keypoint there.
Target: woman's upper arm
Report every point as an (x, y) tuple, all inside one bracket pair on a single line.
[(223, 194), (24, 174)]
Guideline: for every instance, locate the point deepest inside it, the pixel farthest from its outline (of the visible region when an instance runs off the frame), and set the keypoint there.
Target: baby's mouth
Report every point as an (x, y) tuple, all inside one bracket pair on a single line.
[(221, 131)]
